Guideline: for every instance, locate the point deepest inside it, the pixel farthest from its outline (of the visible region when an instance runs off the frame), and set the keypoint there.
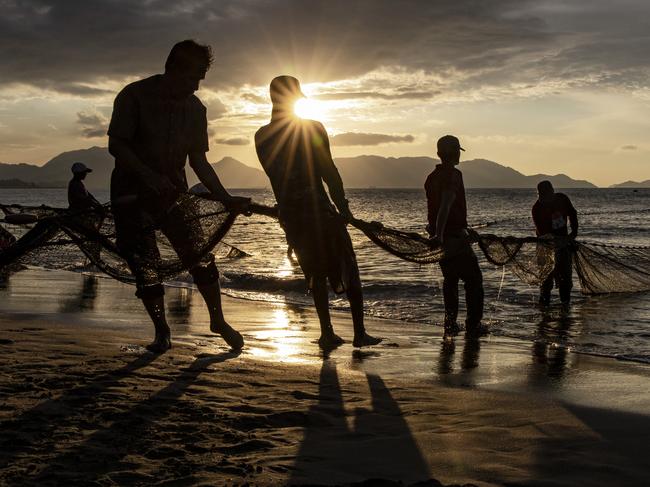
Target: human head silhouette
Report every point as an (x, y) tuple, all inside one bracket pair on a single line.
[(449, 149), (186, 66), (545, 189), (285, 92)]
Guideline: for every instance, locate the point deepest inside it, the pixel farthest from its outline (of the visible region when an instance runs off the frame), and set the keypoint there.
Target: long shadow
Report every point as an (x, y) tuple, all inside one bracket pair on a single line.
[(379, 445), (104, 451), (617, 456), (48, 416)]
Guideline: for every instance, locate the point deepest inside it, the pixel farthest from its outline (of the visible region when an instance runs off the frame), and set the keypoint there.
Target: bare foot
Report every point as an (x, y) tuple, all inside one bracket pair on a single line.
[(366, 340), (232, 337), (160, 344), (330, 340)]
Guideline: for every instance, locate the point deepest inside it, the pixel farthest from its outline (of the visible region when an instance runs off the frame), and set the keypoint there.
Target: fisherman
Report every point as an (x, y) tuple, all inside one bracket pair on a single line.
[(85, 209), (79, 198), (447, 215), (550, 214), (157, 123), (295, 155)]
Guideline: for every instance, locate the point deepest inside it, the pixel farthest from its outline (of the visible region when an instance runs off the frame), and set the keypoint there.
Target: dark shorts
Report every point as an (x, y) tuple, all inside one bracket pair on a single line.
[(323, 246), (138, 228)]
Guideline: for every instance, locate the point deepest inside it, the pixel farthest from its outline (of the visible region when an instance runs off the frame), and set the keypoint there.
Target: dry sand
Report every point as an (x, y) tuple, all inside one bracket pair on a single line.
[(83, 403)]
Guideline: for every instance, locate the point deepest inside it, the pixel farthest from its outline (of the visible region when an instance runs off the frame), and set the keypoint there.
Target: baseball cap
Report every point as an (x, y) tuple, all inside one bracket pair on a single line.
[(80, 167), (447, 142), (285, 86)]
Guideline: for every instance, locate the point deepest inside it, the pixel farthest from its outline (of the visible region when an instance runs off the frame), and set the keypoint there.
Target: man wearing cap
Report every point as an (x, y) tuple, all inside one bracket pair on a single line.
[(156, 125), (78, 196), (295, 155), (550, 214), (447, 215)]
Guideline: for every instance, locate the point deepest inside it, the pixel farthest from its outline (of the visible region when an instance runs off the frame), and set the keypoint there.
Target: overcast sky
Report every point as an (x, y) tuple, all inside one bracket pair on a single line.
[(541, 86)]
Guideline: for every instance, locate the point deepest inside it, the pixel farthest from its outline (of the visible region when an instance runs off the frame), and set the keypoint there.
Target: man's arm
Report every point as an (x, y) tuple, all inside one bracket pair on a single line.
[(573, 221), (205, 172), (329, 173)]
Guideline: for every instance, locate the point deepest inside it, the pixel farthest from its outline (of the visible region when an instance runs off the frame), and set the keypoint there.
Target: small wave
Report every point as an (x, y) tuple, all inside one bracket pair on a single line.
[(256, 282)]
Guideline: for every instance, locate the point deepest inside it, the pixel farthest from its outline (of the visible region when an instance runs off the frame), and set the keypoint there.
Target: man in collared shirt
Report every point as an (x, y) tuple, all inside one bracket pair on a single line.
[(447, 215), (157, 123), (550, 214)]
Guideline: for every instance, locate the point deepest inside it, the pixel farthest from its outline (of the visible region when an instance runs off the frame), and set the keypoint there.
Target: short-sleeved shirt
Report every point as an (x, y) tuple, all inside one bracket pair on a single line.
[(550, 217), (161, 130), (78, 196), (446, 178)]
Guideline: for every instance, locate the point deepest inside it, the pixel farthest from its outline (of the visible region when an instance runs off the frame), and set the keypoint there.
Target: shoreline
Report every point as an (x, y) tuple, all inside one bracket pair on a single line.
[(84, 402)]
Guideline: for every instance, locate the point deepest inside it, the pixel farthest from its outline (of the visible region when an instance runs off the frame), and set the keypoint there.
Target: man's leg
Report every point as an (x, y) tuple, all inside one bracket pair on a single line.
[(153, 300), (355, 297), (473, 279), (545, 290), (450, 292), (564, 272), (328, 339), (138, 244), (212, 296)]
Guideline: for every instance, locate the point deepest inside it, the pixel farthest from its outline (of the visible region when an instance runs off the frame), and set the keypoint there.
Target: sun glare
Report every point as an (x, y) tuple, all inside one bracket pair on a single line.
[(311, 109)]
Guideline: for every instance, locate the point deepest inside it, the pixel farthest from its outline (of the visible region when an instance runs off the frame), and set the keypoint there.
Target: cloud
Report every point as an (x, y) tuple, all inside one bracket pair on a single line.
[(93, 124), (360, 138), (404, 95), (74, 46), (232, 141), (630, 147)]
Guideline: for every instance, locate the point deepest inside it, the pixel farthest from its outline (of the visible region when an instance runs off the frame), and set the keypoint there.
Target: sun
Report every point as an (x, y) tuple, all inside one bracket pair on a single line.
[(310, 108)]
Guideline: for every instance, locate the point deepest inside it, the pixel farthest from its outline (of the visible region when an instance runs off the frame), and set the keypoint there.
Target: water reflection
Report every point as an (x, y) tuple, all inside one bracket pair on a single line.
[(84, 299), (282, 338), (551, 349)]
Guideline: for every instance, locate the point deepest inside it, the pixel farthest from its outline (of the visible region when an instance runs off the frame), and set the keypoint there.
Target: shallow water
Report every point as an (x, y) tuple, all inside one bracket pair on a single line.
[(614, 325)]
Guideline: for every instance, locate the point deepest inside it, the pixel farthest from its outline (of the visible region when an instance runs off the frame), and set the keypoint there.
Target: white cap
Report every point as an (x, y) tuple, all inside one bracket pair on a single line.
[(79, 168)]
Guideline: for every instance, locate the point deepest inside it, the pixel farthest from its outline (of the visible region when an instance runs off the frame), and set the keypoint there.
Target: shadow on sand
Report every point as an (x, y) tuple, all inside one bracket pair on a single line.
[(377, 448)]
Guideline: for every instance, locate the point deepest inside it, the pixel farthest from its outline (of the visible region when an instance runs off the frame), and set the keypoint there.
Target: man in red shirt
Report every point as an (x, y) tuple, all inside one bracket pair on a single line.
[(447, 213), (550, 214)]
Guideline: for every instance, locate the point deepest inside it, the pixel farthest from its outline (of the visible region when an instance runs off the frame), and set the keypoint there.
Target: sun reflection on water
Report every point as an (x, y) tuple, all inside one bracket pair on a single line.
[(279, 340)]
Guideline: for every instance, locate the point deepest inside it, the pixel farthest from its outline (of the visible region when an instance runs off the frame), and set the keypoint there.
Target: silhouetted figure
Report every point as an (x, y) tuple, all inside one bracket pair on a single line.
[(87, 211), (157, 124), (447, 215), (296, 157), (550, 214), (79, 198)]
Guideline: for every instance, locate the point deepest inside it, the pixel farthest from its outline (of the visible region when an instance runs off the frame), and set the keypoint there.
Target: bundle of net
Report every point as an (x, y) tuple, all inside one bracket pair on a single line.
[(65, 239)]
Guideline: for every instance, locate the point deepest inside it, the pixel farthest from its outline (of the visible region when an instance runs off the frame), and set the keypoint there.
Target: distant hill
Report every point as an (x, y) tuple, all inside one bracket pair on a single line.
[(357, 172), (15, 183), (632, 184), (411, 172), (56, 172)]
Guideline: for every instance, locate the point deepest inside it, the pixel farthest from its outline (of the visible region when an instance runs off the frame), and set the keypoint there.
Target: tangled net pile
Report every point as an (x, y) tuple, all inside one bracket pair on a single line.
[(57, 234)]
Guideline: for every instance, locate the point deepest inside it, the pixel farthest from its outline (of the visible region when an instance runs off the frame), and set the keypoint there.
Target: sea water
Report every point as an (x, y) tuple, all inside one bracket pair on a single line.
[(611, 325)]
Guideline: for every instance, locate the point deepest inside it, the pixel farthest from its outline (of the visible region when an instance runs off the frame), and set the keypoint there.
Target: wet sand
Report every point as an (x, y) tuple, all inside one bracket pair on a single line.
[(83, 403)]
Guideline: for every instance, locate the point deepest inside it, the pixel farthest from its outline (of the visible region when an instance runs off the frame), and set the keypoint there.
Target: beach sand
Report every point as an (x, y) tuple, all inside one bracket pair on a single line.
[(82, 402)]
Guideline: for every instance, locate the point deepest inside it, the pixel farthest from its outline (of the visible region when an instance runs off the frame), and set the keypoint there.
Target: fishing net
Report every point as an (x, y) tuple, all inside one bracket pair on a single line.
[(58, 238)]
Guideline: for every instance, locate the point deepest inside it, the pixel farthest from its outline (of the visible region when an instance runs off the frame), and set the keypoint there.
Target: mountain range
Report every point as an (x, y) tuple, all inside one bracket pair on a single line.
[(365, 171)]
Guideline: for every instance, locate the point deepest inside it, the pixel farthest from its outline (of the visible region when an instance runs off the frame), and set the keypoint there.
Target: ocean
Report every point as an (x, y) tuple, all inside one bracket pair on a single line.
[(616, 325)]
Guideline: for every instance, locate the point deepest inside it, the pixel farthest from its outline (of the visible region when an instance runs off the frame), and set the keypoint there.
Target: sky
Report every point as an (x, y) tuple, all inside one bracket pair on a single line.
[(543, 86)]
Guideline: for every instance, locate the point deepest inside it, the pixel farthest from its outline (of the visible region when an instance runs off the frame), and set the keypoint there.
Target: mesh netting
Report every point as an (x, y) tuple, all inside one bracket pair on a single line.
[(57, 236)]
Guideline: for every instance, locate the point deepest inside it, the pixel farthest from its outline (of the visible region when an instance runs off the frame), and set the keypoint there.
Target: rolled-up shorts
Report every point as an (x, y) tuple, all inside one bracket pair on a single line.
[(322, 245), (135, 227)]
